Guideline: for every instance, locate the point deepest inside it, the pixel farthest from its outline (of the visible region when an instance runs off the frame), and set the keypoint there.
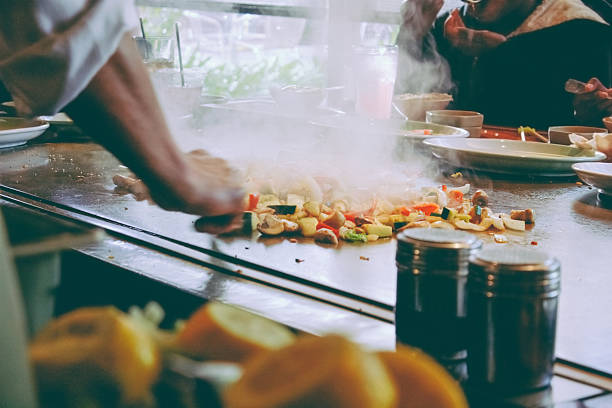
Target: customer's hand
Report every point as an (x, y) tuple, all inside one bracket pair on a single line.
[(468, 41), (209, 187), (594, 103), (419, 15)]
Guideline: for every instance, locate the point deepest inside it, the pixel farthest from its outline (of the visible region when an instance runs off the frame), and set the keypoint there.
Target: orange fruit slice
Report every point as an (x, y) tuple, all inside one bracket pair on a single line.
[(317, 372), (91, 346), (220, 332), (421, 382)]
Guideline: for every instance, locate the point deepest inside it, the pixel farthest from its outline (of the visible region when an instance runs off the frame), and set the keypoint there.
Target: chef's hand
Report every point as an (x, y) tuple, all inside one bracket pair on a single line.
[(468, 41), (419, 15), (594, 103), (209, 187)]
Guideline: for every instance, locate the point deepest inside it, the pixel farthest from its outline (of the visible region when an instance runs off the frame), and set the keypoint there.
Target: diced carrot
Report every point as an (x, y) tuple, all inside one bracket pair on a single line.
[(426, 208), (404, 210)]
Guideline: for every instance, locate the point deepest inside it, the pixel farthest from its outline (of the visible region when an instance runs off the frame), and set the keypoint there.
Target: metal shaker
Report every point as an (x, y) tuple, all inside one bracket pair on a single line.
[(431, 308), (513, 297)]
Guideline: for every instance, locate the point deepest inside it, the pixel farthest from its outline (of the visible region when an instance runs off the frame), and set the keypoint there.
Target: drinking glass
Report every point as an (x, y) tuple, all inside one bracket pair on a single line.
[(374, 70), (157, 52)]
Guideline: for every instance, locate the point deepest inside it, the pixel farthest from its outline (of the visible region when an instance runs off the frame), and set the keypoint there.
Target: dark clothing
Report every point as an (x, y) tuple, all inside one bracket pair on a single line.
[(521, 81)]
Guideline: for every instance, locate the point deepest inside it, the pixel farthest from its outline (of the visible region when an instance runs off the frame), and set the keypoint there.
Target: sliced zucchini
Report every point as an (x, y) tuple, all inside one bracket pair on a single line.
[(283, 209), (250, 220), (383, 231)]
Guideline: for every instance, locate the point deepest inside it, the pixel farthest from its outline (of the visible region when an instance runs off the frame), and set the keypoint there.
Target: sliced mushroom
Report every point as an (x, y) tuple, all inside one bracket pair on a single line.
[(480, 198), (325, 209), (359, 221), (325, 236), (290, 226), (335, 220), (313, 208), (476, 216), (527, 215), (349, 224), (270, 225)]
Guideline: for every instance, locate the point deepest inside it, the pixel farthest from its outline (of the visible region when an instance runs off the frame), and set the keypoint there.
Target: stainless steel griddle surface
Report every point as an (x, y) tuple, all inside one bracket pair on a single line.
[(571, 224)]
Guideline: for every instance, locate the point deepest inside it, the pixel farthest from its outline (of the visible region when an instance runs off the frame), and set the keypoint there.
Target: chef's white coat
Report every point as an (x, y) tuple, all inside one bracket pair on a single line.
[(51, 49)]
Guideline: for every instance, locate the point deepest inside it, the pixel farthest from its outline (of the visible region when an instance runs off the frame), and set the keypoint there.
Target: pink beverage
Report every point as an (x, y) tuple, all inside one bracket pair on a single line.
[(375, 70)]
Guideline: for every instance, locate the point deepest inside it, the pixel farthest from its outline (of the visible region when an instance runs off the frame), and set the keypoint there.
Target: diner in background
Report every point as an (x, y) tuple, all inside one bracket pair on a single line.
[(510, 59)]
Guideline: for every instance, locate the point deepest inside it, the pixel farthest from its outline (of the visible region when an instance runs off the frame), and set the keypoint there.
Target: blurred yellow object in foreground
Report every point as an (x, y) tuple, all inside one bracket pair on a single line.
[(221, 332), (421, 382), (317, 372), (92, 352)]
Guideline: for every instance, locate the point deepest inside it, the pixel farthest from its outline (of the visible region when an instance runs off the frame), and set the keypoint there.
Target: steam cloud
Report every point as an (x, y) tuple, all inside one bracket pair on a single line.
[(281, 155)]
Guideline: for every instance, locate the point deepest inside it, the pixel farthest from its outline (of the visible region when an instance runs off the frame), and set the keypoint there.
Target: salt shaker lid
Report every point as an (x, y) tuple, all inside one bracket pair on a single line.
[(500, 260), (514, 272), (437, 238)]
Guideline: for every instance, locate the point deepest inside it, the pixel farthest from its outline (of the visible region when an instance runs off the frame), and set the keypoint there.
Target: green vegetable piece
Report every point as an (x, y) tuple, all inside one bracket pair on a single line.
[(398, 225), (445, 213), (478, 210), (283, 209), (249, 222), (353, 236), (435, 214)]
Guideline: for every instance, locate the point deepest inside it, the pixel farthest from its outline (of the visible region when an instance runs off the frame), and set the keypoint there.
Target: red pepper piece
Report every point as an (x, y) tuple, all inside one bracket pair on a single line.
[(253, 201), (323, 225), (426, 208), (404, 210)]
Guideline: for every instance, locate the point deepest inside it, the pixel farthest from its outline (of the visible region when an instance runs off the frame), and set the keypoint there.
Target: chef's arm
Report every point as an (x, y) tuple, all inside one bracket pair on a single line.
[(119, 109)]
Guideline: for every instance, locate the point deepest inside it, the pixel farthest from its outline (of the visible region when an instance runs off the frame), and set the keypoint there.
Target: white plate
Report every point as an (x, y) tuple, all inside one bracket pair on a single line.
[(58, 119), (511, 156), (599, 175), (17, 131), (411, 129)]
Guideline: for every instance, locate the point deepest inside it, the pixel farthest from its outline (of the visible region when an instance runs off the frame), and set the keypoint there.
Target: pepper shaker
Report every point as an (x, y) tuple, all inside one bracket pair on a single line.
[(432, 271), (513, 297)]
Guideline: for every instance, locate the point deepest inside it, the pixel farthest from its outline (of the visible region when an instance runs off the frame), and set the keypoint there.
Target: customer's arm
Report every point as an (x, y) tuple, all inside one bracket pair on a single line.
[(120, 110), (421, 68)]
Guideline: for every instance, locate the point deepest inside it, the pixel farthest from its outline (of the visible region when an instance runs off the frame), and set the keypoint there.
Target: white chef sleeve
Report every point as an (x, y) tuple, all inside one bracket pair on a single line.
[(51, 49)]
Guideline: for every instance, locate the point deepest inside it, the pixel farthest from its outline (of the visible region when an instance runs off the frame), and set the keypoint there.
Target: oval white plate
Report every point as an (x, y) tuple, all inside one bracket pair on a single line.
[(511, 156), (599, 175), (17, 131), (410, 129)]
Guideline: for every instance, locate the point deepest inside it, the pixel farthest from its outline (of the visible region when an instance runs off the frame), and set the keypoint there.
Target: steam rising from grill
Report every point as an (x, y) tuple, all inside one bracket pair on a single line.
[(282, 155)]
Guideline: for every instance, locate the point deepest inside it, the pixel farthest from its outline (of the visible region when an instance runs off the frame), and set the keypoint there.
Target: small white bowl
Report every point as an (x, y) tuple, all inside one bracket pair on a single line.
[(458, 118), (468, 120), (560, 134), (414, 106)]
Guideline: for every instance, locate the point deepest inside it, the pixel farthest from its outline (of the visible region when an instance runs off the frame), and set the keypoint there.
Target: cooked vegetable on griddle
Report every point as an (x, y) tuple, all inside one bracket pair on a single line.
[(342, 219)]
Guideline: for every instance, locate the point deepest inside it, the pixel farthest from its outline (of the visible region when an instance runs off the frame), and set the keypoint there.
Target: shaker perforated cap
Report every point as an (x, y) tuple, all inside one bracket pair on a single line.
[(437, 238), (434, 250), (514, 271), (500, 260)]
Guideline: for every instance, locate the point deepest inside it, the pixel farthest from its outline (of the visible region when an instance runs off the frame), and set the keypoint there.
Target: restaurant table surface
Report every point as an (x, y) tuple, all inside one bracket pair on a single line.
[(571, 224)]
